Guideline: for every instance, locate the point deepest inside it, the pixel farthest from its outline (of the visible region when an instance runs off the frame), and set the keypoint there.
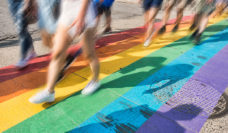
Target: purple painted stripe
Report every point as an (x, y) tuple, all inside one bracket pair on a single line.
[(189, 109)]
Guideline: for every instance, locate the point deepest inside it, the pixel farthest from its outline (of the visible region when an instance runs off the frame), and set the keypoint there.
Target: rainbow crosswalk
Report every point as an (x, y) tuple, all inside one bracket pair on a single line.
[(164, 87)]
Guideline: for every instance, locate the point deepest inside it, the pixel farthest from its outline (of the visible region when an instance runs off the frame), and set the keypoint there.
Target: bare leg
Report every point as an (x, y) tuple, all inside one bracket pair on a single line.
[(180, 10), (219, 10), (179, 15), (88, 41), (203, 23), (200, 28), (165, 19), (152, 14), (108, 19), (196, 20), (146, 18), (98, 18), (167, 13), (62, 41)]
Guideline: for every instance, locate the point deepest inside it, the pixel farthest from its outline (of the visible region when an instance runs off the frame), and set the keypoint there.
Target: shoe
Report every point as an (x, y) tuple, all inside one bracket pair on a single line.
[(162, 30), (108, 29), (197, 38), (43, 96), (30, 55), (194, 34), (22, 64), (91, 87), (192, 27), (176, 27), (146, 43)]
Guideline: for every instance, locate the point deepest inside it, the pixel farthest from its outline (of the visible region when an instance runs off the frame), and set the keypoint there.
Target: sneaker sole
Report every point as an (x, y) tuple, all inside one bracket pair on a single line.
[(49, 101)]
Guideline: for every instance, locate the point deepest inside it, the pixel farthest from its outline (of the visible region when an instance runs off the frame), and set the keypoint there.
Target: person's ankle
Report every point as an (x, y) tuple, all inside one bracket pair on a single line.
[(95, 79), (51, 91)]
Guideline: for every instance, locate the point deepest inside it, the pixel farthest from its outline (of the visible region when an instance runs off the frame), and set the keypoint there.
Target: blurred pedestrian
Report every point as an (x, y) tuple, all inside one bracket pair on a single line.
[(104, 7), (23, 12), (200, 21), (77, 18), (151, 8), (181, 5)]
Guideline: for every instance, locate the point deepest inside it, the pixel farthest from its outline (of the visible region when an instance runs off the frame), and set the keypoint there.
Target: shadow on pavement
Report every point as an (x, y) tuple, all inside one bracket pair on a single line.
[(130, 119)]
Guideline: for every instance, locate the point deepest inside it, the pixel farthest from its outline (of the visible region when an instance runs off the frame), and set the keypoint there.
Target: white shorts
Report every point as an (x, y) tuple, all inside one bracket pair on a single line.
[(69, 12)]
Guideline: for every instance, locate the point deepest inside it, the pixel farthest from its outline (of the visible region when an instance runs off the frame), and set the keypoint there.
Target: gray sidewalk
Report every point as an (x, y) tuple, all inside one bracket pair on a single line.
[(125, 15)]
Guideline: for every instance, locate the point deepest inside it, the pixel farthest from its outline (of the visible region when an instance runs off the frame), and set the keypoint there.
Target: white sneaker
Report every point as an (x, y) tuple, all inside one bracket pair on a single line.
[(30, 55), (24, 62), (146, 43), (91, 87), (43, 96)]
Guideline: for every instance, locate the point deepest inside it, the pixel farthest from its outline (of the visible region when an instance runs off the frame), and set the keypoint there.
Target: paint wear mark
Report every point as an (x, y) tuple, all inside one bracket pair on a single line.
[(196, 64), (202, 57)]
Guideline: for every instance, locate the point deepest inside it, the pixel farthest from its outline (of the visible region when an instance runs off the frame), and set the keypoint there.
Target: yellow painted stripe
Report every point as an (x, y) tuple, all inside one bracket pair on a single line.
[(17, 109)]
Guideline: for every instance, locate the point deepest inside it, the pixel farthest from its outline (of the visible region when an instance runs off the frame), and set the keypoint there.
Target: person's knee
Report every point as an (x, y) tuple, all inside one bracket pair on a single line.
[(57, 55), (89, 34), (169, 7), (91, 56), (180, 10)]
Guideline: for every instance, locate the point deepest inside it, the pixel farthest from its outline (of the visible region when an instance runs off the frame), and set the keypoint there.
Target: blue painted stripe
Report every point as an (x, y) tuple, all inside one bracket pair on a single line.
[(141, 101)]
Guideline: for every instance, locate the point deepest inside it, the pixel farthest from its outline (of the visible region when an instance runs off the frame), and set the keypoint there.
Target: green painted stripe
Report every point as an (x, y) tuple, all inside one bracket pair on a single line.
[(74, 110)]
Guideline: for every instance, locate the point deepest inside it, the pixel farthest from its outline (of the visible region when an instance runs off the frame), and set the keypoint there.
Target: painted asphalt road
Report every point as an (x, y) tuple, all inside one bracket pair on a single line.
[(124, 23), (61, 106)]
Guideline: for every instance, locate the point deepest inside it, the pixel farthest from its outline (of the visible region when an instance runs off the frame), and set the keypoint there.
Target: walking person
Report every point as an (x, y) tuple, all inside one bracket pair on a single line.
[(18, 11), (104, 7), (77, 19), (181, 5), (200, 21), (151, 8)]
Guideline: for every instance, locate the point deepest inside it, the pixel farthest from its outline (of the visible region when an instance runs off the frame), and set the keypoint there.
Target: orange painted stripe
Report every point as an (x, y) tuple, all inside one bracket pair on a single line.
[(24, 83)]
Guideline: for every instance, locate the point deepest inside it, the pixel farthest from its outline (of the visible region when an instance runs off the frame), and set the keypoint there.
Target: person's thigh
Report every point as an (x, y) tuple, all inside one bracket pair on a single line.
[(170, 3), (152, 13), (183, 3), (62, 41)]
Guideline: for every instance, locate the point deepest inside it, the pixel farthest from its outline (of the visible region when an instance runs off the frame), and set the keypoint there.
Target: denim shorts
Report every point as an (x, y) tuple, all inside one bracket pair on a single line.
[(47, 15)]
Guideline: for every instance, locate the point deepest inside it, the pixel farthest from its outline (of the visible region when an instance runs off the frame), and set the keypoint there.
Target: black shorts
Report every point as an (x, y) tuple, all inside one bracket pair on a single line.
[(102, 9), (147, 4)]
